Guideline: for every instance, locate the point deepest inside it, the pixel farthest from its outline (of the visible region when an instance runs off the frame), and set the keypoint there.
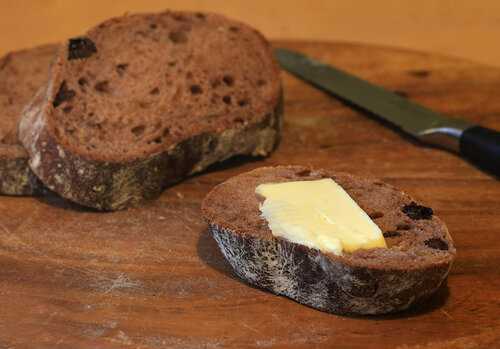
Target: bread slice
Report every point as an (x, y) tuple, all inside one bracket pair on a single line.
[(142, 101), (366, 281), (21, 74)]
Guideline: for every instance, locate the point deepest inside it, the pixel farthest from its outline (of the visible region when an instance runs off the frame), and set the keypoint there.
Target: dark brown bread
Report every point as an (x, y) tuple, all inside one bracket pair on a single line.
[(21, 74), (365, 281), (142, 101)]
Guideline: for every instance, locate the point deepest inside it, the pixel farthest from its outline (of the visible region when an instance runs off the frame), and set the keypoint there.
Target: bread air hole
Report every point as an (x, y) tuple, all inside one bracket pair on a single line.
[(67, 109), (375, 215), (242, 102), (83, 81), (121, 68), (154, 91), (391, 234), (227, 100), (138, 130), (403, 226), (178, 37), (436, 243), (261, 82), (102, 86), (63, 95), (228, 80), (195, 89)]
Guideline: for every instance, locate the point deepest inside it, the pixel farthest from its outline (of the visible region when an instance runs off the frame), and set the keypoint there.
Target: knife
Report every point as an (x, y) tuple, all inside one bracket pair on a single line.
[(478, 144)]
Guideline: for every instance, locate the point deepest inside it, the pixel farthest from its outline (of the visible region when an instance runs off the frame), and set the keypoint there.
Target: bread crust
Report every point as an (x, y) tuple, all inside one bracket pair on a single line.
[(311, 278), (29, 68), (323, 281), (128, 182), (16, 178)]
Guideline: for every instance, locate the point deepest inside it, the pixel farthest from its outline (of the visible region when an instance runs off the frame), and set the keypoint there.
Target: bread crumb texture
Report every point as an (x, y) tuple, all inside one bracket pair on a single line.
[(142, 101)]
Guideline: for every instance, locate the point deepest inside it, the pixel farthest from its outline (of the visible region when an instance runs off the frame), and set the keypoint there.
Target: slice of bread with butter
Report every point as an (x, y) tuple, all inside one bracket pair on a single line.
[(332, 241)]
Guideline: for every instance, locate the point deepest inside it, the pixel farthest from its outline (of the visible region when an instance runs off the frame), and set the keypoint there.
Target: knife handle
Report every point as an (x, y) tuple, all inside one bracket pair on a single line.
[(481, 146)]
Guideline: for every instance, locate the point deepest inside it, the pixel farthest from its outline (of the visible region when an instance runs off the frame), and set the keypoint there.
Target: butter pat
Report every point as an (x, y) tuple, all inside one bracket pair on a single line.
[(318, 214)]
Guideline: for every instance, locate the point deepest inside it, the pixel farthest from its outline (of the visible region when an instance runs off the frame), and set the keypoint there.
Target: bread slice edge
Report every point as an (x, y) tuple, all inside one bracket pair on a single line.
[(310, 278), (16, 178)]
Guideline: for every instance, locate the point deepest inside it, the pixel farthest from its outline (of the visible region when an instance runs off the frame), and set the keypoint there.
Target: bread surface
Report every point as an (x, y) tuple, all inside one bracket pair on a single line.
[(365, 281), (21, 74), (140, 102)]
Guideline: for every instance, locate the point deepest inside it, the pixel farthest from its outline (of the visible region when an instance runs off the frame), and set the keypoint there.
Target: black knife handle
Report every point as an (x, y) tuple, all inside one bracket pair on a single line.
[(481, 146)]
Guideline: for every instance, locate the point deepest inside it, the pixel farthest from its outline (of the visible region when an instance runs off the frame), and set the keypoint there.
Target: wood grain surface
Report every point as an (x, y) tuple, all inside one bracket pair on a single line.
[(154, 277)]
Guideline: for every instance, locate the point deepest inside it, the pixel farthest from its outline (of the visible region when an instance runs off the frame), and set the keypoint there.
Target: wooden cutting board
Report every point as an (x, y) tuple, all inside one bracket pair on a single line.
[(154, 277)]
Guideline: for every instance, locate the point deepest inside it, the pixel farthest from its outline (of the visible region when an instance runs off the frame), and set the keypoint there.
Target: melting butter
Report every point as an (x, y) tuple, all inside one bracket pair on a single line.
[(318, 214)]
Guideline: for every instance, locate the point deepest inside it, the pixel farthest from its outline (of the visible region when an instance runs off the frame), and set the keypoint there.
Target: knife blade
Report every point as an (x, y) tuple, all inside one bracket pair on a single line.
[(478, 144)]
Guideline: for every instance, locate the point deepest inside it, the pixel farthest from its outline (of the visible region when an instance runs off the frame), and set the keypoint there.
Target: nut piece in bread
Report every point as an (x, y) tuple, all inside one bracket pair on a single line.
[(365, 281), (142, 101)]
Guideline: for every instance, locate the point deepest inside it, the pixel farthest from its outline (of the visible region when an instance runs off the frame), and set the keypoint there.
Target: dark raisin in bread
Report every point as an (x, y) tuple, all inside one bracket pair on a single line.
[(21, 74), (142, 101), (365, 281)]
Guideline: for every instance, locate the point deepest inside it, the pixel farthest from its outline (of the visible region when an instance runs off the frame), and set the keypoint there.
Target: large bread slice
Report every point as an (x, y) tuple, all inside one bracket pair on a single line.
[(21, 74), (365, 281), (142, 101)]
